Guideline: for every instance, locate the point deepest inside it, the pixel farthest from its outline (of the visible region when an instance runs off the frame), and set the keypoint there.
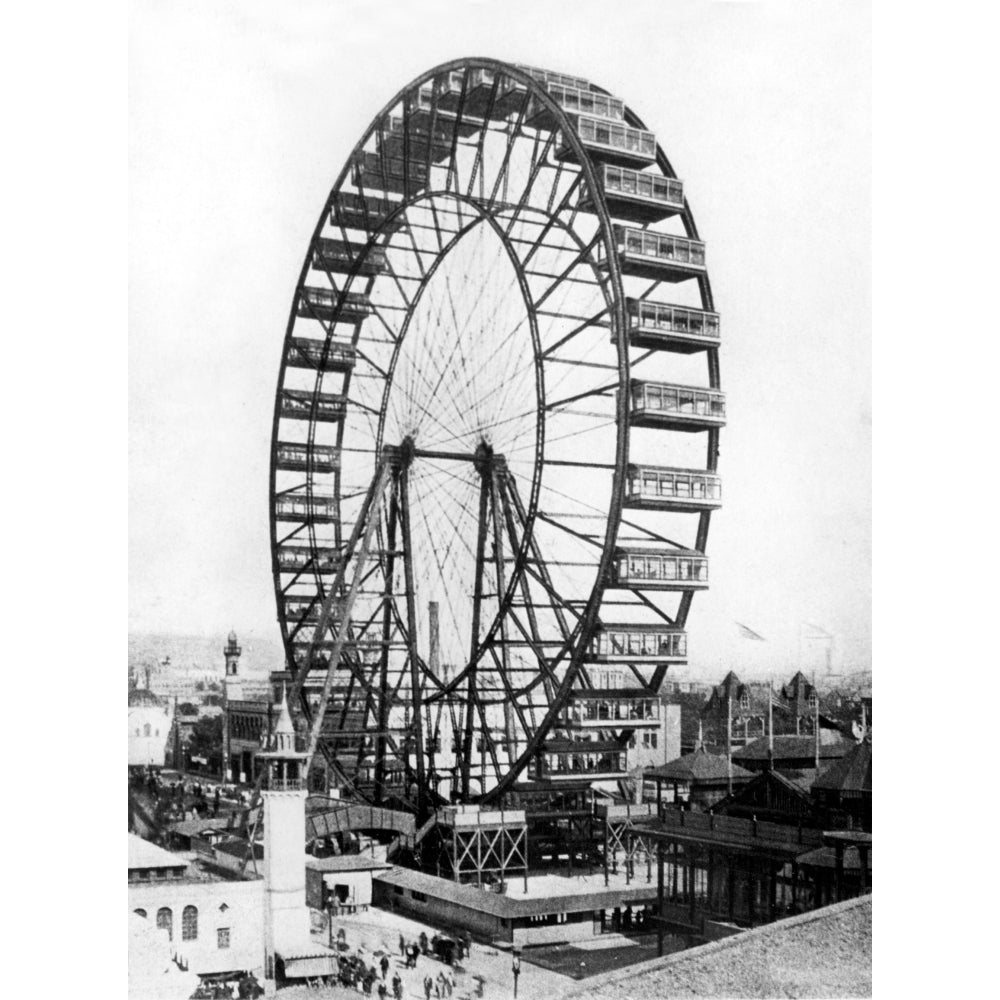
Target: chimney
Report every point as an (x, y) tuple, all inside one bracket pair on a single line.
[(435, 655)]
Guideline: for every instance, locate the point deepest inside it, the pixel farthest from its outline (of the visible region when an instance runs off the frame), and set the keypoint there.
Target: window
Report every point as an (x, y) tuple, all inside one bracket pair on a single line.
[(420, 897), (222, 937), (140, 913), (146, 729), (165, 920), (189, 924)]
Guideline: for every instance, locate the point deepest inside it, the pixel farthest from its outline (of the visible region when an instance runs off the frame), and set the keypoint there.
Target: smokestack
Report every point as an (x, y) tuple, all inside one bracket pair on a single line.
[(435, 657)]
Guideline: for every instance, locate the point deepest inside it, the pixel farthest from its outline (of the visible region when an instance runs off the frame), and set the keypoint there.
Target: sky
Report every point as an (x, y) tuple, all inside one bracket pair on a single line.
[(241, 115)]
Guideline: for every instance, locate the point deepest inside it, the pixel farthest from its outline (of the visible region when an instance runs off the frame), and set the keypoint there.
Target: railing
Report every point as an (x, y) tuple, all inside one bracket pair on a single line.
[(284, 784), (325, 301), (663, 484), (638, 642), (616, 136), (301, 403), (635, 184), (658, 246), (317, 508), (298, 557), (328, 252), (577, 101), (649, 398), (297, 455), (616, 710), (656, 568), (582, 765), (317, 353), (660, 317)]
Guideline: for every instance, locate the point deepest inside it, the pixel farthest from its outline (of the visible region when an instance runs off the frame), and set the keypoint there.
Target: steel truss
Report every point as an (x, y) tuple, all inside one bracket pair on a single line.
[(454, 441)]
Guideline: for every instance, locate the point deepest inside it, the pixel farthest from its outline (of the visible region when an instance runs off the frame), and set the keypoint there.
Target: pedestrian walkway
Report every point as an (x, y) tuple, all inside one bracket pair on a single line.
[(485, 972)]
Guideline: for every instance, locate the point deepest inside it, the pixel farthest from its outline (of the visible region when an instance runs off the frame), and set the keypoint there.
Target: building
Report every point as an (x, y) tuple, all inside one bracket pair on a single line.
[(801, 754), (847, 785), (700, 778), (554, 910), (342, 883), (211, 920), (771, 796), (150, 720)]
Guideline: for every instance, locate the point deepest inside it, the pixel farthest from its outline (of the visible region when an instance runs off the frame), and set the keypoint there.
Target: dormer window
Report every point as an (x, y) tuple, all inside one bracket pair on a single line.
[(745, 699)]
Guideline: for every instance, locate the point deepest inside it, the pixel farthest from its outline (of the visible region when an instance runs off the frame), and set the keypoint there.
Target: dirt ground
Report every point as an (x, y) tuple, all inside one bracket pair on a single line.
[(378, 930)]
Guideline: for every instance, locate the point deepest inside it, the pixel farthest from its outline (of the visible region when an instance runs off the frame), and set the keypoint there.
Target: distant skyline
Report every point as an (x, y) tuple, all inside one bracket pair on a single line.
[(242, 115)]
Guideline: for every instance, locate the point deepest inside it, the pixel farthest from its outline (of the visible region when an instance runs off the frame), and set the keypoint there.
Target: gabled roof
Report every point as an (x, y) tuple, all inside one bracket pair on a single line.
[(698, 766), (852, 773), (798, 688)]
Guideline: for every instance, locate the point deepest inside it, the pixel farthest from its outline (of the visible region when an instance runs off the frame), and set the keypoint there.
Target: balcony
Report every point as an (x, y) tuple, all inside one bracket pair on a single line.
[(301, 507), (341, 257), (301, 404), (295, 456), (422, 142), (373, 172), (485, 95), (610, 142), (352, 211), (666, 327), (333, 307), (638, 644), (659, 488), (659, 569), (547, 77), (595, 711), (645, 254), (569, 760), (577, 101), (292, 558), (676, 407), (320, 355), (636, 196)]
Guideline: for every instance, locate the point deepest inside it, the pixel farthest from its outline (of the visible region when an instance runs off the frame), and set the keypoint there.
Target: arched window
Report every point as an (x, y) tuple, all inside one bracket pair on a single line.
[(140, 913), (145, 730), (165, 919), (189, 923), (138, 731)]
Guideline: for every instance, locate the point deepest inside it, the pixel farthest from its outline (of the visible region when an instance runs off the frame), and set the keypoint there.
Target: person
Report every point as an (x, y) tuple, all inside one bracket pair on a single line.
[(402, 946), (397, 987), (439, 985), (383, 991), (423, 942), (385, 966), (428, 987)]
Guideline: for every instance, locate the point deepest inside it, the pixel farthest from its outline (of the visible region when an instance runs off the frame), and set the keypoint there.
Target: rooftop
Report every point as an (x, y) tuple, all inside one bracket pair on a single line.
[(852, 773), (546, 893), (143, 854), (793, 748), (824, 953), (347, 863), (698, 766)]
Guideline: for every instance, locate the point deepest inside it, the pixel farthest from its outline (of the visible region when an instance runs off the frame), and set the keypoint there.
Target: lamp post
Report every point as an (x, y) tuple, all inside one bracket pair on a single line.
[(516, 966)]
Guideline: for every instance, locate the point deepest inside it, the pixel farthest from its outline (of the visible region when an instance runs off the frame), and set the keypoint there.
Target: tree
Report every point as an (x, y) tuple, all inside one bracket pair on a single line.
[(186, 708), (206, 741)]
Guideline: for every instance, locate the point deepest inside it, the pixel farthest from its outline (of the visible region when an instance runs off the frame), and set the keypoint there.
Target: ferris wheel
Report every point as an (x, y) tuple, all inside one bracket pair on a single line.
[(495, 441)]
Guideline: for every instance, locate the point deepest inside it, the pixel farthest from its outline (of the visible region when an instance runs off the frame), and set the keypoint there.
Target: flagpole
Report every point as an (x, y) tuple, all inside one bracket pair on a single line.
[(729, 741), (770, 723), (816, 721)]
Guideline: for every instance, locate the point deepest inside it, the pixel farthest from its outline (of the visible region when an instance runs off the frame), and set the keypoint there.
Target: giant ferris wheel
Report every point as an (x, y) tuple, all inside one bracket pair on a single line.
[(495, 441)]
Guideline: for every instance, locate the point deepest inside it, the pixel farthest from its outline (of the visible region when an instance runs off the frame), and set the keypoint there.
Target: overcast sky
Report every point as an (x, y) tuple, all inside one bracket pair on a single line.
[(241, 116)]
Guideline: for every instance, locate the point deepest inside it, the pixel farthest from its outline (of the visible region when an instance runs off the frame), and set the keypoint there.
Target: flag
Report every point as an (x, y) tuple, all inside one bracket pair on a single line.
[(749, 633)]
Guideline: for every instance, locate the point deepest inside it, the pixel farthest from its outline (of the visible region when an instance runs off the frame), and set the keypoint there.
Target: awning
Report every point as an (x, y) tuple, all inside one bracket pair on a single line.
[(318, 965)]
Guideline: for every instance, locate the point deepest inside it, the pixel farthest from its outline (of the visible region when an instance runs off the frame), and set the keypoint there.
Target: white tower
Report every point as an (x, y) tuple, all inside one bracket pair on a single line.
[(284, 796), (232, 690)]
